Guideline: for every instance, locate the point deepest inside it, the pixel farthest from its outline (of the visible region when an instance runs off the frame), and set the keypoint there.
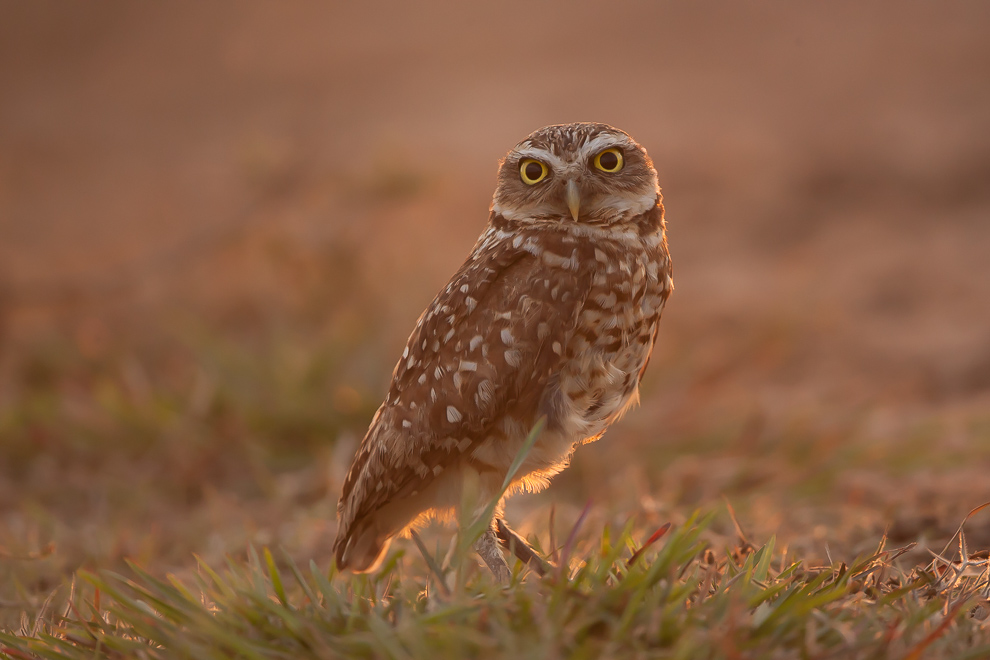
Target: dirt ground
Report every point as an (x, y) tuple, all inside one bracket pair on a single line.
[(309, 174)]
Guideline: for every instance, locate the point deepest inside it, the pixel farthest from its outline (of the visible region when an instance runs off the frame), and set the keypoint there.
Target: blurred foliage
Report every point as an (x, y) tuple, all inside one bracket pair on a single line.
[(679, 597)]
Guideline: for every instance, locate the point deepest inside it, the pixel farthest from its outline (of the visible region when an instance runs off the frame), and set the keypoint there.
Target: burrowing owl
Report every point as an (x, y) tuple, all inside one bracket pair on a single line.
[(553, 314)]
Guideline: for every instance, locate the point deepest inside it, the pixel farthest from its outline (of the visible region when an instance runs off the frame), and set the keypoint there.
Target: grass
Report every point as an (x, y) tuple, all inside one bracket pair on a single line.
[(677, 598), (122, 470)]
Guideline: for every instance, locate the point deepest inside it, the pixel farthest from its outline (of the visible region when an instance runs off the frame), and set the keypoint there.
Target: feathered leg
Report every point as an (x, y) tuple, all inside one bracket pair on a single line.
[(487, 548)]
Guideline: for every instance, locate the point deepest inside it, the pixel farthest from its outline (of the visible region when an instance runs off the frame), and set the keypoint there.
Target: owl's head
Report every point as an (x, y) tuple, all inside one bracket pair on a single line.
[(583, 172)]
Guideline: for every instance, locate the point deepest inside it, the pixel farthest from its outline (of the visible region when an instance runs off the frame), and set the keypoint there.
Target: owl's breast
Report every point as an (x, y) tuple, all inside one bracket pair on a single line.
[(612, 340)]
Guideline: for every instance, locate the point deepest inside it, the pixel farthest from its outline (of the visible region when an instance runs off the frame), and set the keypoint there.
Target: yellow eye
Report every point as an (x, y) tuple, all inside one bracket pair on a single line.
[(532, 171), (609, 160)]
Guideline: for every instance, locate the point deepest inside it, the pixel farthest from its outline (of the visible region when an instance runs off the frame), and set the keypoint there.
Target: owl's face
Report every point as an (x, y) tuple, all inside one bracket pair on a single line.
[(583, 172)]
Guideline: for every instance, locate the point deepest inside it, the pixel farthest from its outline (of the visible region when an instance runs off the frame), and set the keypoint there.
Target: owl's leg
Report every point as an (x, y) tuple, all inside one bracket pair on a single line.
[(522, 550), (487, 548)]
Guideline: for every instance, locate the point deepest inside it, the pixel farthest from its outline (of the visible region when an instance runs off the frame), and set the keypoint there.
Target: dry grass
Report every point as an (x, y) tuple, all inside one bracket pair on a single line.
[(681, 596)]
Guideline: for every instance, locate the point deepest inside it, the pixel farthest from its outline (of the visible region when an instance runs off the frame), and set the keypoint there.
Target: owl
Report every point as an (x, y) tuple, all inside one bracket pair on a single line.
[(553, 315)]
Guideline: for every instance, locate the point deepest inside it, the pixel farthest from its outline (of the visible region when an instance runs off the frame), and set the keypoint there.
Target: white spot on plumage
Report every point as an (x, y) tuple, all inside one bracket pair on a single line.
[(475, 342), (465, 288), (486, 391), (406, 424), (607, 301), (513, 358), (506, 336), (468, 365), (554, 259), (422, 378), (453, 415), (446, 337)]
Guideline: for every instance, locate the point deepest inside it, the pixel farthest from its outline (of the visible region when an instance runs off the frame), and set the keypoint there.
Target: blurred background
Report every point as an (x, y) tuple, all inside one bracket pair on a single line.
[(219, 222)]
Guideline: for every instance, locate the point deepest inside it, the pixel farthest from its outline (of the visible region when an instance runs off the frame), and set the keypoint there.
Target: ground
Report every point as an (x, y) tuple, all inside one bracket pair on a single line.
[(218, 223)]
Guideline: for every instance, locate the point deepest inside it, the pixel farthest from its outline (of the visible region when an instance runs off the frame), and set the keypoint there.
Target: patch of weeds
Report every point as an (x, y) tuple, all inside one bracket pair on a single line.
[(676, 597)]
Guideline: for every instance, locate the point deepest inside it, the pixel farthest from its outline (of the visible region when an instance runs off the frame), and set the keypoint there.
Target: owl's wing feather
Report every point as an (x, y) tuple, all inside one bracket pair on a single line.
[(483, 354)]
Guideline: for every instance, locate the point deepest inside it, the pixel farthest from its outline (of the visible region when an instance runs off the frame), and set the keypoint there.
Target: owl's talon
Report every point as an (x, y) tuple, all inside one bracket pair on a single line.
[(487, 548)]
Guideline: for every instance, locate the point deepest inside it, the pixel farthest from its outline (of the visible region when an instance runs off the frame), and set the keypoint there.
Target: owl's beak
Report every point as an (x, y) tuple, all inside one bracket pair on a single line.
[(573, 198)]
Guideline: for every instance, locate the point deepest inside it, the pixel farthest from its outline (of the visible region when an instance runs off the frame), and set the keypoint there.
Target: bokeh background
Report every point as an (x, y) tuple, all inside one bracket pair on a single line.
[(219, 222)]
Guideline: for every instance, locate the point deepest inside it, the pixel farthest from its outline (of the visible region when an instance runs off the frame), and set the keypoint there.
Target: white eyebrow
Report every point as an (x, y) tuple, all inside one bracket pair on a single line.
[(542, 154), (600, 143)]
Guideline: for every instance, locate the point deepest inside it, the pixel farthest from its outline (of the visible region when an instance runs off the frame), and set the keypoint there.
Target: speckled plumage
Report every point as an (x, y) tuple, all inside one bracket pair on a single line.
[(554, 313)]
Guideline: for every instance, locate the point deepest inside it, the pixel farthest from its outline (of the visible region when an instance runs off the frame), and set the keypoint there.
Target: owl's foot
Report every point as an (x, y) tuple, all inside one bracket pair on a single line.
[(522, 550), (487, 548)]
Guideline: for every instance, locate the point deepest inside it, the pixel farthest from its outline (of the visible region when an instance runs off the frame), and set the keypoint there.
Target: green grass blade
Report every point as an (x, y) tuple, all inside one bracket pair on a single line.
[(275, 577)]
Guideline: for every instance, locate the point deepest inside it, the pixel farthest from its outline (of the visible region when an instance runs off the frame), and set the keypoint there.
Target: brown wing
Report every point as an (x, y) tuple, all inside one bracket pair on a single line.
[(490, 342)]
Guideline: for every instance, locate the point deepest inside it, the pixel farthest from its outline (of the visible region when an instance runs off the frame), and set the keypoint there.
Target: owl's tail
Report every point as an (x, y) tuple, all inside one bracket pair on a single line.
[(360, 549), (377, 502)]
